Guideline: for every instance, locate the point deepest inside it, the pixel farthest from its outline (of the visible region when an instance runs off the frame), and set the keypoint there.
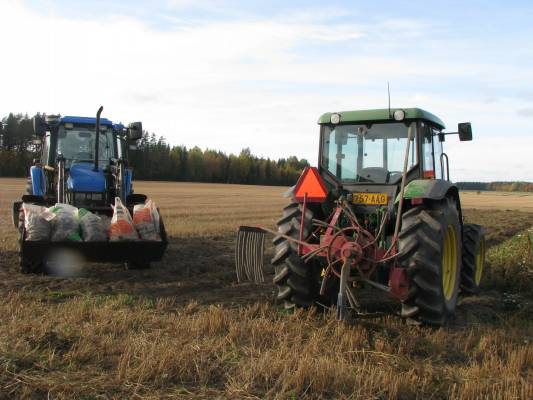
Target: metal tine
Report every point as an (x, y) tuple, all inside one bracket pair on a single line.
[(257, 262), (249, 252), (249, 248), (238, 256), (260, 260)]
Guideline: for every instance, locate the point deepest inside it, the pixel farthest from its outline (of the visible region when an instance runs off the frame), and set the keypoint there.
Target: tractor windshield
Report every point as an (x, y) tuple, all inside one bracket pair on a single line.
[(368, 152), (78, 145)]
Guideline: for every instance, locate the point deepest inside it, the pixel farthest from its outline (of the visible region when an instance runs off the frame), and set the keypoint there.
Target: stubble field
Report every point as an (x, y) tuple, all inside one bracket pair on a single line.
[(186, 329)]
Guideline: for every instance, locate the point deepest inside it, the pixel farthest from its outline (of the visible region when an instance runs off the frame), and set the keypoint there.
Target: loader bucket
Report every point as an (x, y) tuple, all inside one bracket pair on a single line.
[(100, 252), (249, 252)]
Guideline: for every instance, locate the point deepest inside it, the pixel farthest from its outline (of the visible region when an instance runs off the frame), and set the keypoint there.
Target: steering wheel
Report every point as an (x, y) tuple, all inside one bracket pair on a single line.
[(391, 173)]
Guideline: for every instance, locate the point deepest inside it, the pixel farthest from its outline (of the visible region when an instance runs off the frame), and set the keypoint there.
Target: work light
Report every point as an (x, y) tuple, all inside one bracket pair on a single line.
[(399, 115), (335, 118)]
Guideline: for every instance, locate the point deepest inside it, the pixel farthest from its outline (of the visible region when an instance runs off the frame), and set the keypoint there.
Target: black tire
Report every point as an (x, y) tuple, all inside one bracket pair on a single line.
[(425, 232), (297, 281), (133, 265), (27, 267), (473, 258)]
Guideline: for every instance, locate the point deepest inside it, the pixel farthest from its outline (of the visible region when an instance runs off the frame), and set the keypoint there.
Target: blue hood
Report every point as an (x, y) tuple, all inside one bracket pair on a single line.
[(82, 178)]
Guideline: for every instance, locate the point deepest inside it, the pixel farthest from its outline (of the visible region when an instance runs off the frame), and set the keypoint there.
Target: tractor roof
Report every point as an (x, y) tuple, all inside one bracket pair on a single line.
[(85, 120), (382, 114)]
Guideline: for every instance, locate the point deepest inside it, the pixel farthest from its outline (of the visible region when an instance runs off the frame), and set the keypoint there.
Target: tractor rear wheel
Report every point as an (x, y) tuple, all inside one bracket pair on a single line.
[(473, 258), (430, 249), (297, 281)]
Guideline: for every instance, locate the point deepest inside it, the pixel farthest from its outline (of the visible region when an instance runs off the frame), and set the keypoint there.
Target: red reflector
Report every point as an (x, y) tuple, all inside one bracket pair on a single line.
[(417, 201), (429, 174), (310, 183)]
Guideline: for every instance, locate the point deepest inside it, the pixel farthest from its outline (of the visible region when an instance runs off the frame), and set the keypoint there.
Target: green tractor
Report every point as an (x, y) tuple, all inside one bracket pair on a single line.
[(380, 211)]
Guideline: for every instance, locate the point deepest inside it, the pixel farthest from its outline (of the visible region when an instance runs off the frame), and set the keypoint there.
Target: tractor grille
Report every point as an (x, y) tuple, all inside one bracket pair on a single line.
[(88, 199)]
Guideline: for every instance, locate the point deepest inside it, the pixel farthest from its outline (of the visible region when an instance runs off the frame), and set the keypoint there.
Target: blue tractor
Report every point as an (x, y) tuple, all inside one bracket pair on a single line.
[(84, 163)]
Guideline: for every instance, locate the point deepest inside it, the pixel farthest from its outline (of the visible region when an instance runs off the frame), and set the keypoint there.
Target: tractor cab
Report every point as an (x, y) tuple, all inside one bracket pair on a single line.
[(364, 152), (79, 168)]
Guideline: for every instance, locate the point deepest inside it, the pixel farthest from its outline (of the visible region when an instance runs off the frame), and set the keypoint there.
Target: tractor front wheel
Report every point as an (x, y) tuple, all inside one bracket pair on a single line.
[(297, 281), (430, 248), (473, 258)]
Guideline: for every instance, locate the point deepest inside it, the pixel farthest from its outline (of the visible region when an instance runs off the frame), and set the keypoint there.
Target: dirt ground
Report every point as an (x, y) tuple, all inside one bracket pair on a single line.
[(197, 273), (201, 221)]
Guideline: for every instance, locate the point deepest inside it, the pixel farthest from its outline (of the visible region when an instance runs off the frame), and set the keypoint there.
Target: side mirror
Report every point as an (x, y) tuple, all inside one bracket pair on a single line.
[(135, 131), (465, 131), (39, 126), (442, 137)]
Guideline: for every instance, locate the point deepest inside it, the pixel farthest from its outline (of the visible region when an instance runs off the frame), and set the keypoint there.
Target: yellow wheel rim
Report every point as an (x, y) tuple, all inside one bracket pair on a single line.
[(480, 261), (449, 262)]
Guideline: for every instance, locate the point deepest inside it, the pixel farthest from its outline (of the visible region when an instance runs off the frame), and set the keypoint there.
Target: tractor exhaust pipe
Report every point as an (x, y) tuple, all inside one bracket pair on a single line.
[(97, 141)]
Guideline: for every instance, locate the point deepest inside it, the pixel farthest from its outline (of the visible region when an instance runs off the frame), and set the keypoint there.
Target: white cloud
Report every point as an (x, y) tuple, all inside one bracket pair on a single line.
[(241, 83)]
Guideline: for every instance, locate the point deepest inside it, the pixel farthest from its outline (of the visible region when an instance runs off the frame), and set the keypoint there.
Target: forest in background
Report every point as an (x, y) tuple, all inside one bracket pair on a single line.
[(155, 159), (498, 186)]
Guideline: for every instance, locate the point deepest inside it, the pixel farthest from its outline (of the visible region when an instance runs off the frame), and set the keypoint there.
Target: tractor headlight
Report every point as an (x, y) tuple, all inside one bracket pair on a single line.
[(335, 118), (399, 115)]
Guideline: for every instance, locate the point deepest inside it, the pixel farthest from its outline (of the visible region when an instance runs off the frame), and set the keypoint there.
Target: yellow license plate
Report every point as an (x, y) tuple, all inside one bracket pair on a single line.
[(370, 198)]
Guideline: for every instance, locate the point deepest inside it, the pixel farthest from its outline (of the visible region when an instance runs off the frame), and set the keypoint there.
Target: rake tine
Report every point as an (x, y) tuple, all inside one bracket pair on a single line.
[(249, 249), (258, 257), (238, 256), (249, 252)]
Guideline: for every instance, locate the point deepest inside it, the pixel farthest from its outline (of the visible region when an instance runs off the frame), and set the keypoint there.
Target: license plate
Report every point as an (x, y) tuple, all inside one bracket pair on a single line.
[(370, 198)]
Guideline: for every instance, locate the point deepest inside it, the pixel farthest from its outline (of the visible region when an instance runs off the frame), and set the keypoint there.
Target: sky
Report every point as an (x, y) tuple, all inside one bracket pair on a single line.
[(232, 74)]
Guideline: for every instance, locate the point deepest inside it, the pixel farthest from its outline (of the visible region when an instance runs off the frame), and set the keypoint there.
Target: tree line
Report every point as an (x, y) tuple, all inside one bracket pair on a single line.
[(155, 159), (497, 186)]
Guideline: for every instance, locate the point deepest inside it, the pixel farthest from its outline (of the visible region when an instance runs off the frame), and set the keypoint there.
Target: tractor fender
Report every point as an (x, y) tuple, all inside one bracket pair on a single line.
[(434, 189)]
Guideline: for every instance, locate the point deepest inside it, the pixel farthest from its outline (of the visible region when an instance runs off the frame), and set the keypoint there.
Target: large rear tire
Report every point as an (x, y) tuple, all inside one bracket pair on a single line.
[(430, 249), (473, 258), (297, 281)]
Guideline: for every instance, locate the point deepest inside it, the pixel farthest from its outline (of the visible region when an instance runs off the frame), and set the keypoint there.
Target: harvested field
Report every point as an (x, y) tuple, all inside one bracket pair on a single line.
[(521, 201), (186, 329)]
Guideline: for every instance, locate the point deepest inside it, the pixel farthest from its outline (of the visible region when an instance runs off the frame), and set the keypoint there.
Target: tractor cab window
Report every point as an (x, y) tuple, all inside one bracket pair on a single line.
[(437, 152), (432, 153), (77, 145), (367, 153)]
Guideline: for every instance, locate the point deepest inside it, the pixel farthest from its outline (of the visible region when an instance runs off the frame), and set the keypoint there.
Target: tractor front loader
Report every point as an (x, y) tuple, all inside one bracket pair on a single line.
[(84, 163), (379, 211)]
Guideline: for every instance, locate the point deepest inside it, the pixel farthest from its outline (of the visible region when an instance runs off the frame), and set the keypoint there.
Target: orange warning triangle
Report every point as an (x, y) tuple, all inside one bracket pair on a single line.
[(310, 183)]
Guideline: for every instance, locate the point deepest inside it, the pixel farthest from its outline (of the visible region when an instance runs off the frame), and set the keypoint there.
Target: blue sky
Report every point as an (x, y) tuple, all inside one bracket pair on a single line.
[(234, 74)]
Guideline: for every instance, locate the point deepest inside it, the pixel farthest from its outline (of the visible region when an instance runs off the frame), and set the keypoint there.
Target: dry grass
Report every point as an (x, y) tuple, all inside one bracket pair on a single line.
[(185, 330), (521, 201)]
